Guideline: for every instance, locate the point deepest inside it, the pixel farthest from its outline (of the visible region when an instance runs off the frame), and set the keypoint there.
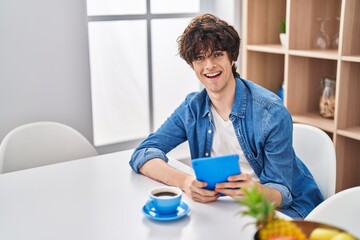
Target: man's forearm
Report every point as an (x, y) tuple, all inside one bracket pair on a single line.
[(160, 171), (271, 193)]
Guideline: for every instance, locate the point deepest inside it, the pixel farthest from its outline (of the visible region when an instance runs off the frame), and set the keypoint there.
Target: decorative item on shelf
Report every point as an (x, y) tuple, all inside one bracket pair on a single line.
[(327, 99), (280, 92), (322, 40), (283, 35), (335, 38)]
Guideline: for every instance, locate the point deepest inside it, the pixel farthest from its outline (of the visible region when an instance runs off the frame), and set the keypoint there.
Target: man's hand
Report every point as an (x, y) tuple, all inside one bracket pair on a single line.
[(233, 187), (196, 191), (235, 183), (160, 171)]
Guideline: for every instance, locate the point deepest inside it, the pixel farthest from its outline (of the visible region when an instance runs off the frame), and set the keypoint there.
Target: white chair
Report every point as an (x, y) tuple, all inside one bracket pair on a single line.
[(315, 148), (341, 210), (42, 143)]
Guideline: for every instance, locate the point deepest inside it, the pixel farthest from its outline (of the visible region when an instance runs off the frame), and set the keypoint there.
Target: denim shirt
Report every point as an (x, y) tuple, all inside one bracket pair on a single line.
[(263, 127)]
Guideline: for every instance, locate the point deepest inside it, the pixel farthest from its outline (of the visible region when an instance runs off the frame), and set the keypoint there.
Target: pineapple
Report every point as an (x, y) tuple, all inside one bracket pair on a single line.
[(269, 225)]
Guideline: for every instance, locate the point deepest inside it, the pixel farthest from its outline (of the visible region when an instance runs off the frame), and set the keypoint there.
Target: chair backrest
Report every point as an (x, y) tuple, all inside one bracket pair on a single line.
[(341, 210), (316, 149), (42, 143)]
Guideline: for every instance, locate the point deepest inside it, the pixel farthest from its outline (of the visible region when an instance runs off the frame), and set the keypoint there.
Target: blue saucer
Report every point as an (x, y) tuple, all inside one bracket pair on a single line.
[(182, 210)]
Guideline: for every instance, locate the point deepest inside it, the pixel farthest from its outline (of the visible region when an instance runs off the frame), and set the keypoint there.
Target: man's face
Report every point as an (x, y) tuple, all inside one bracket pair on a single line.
[(214, 70)]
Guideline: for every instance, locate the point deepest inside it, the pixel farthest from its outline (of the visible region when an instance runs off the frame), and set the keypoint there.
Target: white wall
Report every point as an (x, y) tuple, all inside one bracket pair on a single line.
[(44, 65)]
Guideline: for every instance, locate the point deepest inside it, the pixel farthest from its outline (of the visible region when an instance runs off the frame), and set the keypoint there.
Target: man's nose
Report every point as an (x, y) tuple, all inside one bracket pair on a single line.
[(209, 63)]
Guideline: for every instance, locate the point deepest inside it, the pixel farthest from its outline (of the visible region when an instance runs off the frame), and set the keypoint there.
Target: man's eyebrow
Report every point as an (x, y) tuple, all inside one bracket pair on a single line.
[(203, 51), (217, 49)]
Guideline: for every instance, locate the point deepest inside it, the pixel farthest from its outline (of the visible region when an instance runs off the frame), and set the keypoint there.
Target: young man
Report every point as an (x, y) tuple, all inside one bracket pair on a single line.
[(231, 115)]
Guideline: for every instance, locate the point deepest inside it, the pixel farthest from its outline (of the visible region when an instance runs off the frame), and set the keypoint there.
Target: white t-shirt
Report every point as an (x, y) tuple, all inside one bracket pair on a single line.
[(225, 142)]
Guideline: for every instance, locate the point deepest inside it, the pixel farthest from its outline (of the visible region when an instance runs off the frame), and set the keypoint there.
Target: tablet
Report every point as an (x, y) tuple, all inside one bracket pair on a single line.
[(216, 169)]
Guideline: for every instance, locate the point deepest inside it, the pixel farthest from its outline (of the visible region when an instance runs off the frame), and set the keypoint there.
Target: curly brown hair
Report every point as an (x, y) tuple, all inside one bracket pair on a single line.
[(207, 33)]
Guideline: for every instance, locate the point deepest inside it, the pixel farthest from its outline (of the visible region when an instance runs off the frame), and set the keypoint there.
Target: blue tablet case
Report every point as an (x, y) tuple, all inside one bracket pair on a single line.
[(216, 169)]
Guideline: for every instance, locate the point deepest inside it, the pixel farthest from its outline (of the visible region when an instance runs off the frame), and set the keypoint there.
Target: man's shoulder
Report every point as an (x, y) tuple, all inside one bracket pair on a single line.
[(258, 90), (196, 97), (261, 95), (196, 103)]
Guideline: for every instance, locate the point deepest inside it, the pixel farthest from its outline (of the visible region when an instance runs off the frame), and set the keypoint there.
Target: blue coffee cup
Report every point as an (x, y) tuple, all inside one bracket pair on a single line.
[(165, 200)]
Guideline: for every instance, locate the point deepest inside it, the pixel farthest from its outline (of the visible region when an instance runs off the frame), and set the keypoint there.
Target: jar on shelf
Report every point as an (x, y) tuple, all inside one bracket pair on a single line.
[(327, 100)]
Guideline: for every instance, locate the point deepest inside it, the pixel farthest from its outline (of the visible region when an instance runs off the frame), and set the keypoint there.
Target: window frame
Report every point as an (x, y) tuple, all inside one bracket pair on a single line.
[(148, 17)]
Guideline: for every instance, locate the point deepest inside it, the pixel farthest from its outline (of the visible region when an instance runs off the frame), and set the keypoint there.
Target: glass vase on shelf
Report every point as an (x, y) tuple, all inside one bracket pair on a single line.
[(327, 99), (322, 40), (335, 38)]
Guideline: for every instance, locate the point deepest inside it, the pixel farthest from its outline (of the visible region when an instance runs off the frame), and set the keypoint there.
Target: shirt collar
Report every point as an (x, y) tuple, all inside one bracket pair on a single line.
[(241, 95), (239, 106)]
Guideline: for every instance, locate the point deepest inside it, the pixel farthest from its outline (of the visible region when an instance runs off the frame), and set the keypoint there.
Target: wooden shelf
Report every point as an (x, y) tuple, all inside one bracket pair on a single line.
[(316, 120), (268, 48), (351, 58), (353, 132), (300, 67), (322, 54)]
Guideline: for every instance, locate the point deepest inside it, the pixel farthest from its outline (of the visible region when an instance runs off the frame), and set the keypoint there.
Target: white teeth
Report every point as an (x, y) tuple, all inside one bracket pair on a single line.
[(212, 75)]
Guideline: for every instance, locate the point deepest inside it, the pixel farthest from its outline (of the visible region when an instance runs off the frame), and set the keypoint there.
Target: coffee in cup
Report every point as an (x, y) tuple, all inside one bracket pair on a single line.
[(164, 200)]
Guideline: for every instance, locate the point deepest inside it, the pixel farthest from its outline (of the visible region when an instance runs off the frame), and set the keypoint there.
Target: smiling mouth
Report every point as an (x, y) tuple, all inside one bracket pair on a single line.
[(212, 75)]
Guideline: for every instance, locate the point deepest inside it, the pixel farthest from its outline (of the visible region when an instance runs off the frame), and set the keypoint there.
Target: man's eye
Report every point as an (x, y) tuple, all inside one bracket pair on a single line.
[(218, 54), (199, 58)]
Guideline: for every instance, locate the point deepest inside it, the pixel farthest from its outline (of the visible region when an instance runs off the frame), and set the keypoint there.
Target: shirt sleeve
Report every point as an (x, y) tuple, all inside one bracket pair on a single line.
[(285, 194), (141, 156), (279, 156), (170, 134)]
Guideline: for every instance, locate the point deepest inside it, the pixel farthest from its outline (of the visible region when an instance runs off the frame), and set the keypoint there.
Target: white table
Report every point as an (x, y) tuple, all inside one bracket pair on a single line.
[(101, 198)]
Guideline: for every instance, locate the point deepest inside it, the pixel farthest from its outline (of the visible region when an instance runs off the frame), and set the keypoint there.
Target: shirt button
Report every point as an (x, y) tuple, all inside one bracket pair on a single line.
[(209, 131), (206, 154)]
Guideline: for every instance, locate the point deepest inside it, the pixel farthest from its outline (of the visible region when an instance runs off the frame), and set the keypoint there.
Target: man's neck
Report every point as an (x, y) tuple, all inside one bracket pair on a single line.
[(223, 102)]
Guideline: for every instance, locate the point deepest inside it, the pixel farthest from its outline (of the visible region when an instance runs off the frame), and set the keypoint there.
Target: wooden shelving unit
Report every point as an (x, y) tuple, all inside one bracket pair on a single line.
[(299, 66)]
